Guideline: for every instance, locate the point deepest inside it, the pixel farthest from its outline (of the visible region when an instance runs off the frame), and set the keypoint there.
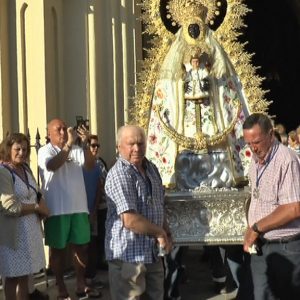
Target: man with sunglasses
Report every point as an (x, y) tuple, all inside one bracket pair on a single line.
[(273, 235)]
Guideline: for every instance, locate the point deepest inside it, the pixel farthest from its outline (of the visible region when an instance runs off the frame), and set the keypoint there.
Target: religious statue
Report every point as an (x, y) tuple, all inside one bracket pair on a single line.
[(198, 105)]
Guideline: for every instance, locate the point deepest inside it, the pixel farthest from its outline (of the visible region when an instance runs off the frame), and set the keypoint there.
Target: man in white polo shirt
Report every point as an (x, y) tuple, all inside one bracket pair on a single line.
[(60, 163)]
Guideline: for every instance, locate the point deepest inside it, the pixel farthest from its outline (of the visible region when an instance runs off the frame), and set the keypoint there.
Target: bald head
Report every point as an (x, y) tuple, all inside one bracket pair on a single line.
[(53, 122), (57, 132), (131, 142)]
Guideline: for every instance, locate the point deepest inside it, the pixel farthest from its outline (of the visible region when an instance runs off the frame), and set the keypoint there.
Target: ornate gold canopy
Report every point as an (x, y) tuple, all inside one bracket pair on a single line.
[(226, 34)]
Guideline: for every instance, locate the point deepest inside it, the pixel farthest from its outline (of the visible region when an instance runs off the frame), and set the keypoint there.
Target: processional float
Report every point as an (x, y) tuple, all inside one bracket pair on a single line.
[(195, 90)]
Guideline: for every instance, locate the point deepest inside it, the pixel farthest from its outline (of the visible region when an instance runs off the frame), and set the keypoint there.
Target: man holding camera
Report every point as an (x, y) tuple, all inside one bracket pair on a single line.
[(60, 162)]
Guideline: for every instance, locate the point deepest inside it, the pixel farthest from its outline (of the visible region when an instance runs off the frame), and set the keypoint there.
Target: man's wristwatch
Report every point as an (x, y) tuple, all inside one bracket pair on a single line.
[(255, 228)]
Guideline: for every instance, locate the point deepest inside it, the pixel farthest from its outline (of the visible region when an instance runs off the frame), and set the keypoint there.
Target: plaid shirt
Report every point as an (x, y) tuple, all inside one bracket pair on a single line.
[(278, 185), (126, 189)]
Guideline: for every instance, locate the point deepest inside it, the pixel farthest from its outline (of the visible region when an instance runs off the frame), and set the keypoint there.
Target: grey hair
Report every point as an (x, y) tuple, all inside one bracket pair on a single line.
[(125, 127)]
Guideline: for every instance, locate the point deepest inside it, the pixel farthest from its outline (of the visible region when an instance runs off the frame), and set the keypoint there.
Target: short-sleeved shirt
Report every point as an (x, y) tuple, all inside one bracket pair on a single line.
[(127, 190), (279, 184), (91, 181), (63, 188)]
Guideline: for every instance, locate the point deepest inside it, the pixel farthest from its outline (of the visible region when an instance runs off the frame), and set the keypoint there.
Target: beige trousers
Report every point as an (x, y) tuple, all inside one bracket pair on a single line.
[(136, 281)]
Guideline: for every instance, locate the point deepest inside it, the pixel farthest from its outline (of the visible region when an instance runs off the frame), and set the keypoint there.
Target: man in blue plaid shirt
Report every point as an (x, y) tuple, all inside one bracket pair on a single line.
[(135, 224)]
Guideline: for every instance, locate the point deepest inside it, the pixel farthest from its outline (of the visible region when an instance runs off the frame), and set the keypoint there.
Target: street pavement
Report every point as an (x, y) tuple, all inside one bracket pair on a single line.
[(196, 286)]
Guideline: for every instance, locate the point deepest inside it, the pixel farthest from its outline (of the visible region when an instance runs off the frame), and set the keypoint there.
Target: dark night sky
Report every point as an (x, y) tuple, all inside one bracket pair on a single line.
[(273, 34)]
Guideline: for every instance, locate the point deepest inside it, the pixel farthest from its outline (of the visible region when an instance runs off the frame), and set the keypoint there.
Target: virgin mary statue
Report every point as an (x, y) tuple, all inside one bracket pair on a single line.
[(197, 111)]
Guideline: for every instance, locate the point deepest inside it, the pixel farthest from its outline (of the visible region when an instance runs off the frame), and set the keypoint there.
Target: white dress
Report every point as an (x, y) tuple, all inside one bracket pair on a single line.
[(29, 256)]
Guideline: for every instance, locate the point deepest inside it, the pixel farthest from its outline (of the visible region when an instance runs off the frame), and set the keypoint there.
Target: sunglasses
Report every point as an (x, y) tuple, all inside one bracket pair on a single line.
[(95, 145)]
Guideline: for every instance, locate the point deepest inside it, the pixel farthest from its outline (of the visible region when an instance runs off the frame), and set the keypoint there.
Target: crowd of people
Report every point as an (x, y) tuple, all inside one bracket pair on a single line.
[(65, 209), (290, 139), (77, 195)]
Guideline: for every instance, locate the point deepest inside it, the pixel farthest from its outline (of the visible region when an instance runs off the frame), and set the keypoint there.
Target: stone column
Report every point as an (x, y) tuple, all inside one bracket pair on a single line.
[(5, 110)]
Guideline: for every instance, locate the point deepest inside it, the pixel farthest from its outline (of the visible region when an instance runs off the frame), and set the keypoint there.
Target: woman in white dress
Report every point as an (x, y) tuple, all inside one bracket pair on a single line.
[(21, 210)]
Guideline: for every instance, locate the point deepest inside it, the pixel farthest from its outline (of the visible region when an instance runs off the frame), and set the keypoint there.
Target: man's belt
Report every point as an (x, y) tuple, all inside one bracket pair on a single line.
[(282, 240)]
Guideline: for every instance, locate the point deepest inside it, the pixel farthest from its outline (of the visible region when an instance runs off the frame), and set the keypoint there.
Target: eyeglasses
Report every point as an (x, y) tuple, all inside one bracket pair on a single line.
[(95, 145)]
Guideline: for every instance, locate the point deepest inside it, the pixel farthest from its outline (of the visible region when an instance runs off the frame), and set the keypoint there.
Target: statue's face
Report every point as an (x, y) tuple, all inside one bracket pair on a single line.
[(194, 30), (195, 62)]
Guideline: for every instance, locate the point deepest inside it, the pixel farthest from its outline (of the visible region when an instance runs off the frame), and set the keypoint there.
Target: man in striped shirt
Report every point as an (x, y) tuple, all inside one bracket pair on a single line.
[(274, 213)]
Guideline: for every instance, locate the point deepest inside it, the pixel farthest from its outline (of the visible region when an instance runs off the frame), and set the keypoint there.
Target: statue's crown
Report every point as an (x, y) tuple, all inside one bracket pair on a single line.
[(183, 11)]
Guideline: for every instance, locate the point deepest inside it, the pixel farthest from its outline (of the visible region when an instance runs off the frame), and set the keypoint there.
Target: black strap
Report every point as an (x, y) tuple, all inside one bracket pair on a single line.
[(10, 170), (25, 168)]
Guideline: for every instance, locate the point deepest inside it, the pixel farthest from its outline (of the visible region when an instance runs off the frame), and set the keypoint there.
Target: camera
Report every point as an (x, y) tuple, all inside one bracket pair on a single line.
[(80, 121)]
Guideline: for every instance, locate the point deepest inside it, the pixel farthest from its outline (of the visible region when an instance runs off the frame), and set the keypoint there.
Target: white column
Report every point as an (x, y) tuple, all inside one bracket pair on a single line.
[(91, 67)]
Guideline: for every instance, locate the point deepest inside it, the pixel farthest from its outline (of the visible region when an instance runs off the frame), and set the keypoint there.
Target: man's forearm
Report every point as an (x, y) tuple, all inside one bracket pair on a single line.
[(89, 159), (140, 225), (282, 215), (57, 161)]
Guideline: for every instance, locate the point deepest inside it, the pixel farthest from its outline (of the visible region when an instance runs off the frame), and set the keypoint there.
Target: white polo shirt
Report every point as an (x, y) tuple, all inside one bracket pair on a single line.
[(63, 189)]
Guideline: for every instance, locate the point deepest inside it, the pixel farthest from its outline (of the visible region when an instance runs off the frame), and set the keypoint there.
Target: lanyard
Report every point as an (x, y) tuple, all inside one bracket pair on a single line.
[(271, 156), (147, 183), (26, 181)]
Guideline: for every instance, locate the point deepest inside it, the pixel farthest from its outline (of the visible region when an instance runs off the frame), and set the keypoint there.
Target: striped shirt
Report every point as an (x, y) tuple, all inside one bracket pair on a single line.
[(279, 184), (126, 189)]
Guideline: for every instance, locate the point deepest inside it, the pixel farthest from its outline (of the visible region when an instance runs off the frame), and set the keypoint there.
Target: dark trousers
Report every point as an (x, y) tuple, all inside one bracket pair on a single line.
[(101, 235), (239, 264), (217, 265), (173, 272), (96, 253), (91, 268), (276, 271)]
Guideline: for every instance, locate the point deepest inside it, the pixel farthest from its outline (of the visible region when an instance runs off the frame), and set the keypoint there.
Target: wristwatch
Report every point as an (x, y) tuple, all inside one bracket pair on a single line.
[(255, 228)]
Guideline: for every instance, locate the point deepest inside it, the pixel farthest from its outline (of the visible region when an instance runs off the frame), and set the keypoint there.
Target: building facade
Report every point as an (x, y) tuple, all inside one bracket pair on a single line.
[(68, 58)]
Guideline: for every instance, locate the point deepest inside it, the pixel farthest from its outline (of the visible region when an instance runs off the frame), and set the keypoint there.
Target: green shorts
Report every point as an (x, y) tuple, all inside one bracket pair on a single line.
[(64, 229)]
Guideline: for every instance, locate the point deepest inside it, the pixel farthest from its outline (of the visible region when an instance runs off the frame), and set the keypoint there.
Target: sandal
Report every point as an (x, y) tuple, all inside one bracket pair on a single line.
[(89, 293)]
